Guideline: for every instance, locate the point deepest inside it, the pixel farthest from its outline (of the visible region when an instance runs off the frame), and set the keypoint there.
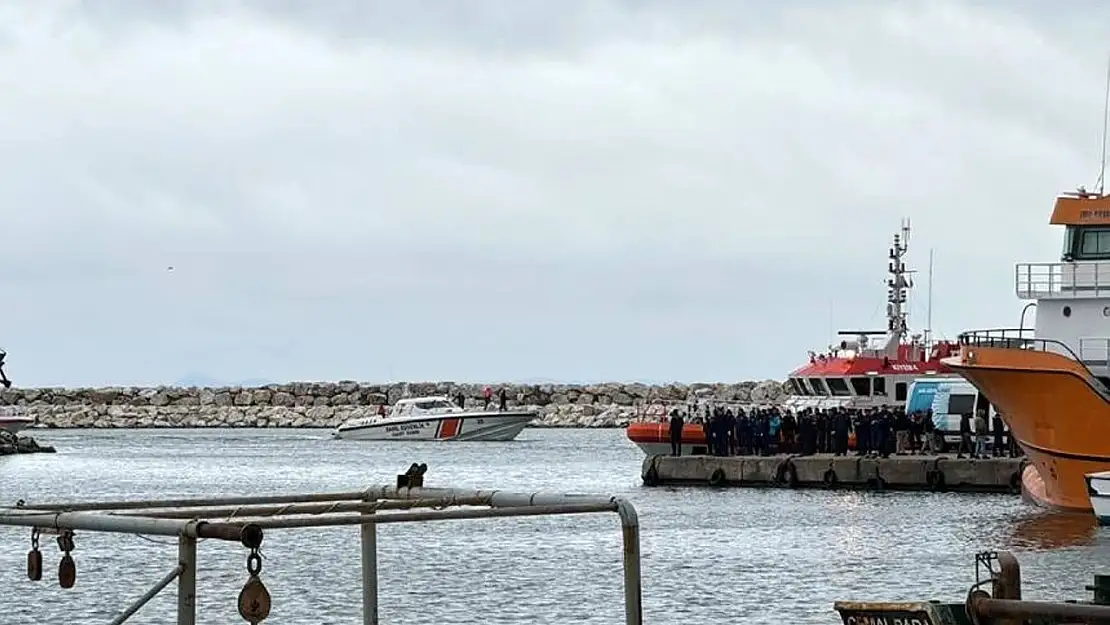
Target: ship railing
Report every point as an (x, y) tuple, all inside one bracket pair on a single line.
[(245, 519), (1095, 352), (1068, 280), (1022, 338), (1016, 338)]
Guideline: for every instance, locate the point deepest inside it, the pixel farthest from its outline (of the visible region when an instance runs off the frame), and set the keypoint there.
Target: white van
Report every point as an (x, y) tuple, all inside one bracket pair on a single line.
[(948, 398)]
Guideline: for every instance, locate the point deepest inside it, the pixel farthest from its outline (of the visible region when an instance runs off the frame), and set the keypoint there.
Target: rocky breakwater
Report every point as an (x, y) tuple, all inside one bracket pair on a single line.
[(327, 404)]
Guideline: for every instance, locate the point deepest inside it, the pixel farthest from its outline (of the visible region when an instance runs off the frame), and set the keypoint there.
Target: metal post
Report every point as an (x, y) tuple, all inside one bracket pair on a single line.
[(630, 531), (369, 536), (187, 581)]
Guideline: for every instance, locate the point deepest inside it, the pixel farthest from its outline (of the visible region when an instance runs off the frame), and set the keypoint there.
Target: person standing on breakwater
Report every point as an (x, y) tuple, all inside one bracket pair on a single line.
[(502, 400), (965, 436), (460, 400), (998, 449), (487, 397), (842, 426), (926, 426), (981, 433), (677, 423)]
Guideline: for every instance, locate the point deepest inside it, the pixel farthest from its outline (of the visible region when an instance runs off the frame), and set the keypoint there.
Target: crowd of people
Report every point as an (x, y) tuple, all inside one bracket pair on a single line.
[(877, 432)]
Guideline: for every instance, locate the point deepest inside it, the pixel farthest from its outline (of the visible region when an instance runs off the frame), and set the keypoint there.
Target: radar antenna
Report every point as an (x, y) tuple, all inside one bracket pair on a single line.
[(898, 285)]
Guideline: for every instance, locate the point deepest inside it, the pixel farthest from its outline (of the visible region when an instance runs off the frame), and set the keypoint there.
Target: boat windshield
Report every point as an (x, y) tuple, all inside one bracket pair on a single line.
[(433, 404)]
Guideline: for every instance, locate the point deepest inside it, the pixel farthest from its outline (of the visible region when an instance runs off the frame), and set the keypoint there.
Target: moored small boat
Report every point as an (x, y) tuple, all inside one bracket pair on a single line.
[(436, 419), (13, 421), (1098, 489)]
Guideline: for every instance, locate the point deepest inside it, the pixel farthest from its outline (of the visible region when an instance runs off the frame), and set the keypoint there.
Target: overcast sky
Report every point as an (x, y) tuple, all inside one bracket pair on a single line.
[(570, 190)]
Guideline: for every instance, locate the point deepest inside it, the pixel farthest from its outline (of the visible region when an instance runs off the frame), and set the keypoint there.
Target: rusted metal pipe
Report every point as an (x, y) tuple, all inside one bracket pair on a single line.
[(1007, 582), (985, 607), (245, 533), (332, 520), (282, 509)]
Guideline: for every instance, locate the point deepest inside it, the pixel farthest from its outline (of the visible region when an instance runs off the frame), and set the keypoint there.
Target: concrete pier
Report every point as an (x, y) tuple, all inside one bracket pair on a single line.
[(896, 473)]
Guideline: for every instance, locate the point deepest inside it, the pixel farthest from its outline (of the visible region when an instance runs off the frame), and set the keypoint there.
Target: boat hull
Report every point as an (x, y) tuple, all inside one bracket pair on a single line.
[(654, 438), (1098, 487), (481, 426), (15, 424), (1056, 415)]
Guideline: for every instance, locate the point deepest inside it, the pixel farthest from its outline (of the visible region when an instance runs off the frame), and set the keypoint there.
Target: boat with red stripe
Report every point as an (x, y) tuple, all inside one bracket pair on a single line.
[(436, 418)]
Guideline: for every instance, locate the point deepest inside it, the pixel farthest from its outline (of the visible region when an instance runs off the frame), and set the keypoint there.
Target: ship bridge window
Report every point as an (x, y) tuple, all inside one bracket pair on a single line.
[(879, 386), (818, 386), (838, 386), (862, 386), (799, 386), (1087, 243)]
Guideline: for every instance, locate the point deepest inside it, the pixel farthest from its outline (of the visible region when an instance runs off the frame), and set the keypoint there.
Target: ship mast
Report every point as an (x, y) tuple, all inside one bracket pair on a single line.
[(897, 286)]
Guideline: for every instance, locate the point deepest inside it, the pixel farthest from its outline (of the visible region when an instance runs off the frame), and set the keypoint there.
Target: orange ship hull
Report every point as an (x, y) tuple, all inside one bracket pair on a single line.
[(654, 437), (1056, 414)]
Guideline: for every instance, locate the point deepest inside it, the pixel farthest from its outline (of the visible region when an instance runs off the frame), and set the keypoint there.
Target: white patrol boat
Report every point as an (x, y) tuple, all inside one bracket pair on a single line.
[(13, 420), (436, 419)]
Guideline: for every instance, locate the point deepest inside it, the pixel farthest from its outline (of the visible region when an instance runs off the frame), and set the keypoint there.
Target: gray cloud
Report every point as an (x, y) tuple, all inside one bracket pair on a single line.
[(574, 190)]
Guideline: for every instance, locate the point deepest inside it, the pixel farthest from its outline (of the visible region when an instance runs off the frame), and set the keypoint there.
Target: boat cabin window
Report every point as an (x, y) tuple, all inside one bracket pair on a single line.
[(799, 386), (900, 391), (838, 386), (862, 386), (961, 404), (1087, 243), (879, 386), (818, 386), (432, 404)]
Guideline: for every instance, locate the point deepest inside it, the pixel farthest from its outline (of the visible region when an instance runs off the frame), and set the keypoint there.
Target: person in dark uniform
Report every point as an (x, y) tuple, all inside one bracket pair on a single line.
[(998, 448), (842, 424), (965, 436), (821, 425), (863, 433), (676, 432), (503, 399), (460, 400), (730, 433), (707, 431)]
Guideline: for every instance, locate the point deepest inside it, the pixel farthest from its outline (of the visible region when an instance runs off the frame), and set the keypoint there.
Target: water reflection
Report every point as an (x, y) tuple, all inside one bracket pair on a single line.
[(1049, 530)]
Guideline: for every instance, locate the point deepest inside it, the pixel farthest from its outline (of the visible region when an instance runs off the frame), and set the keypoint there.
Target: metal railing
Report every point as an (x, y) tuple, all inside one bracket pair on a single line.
[(1023, 338), (1068, 280), (1015, 338), (244, 519)]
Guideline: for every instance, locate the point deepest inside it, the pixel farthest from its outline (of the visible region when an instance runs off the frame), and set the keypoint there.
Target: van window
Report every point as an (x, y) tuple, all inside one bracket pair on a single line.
[(838, 386), (900, 391), (981, 403), (862, 386), (961, 404), (880, 386)]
